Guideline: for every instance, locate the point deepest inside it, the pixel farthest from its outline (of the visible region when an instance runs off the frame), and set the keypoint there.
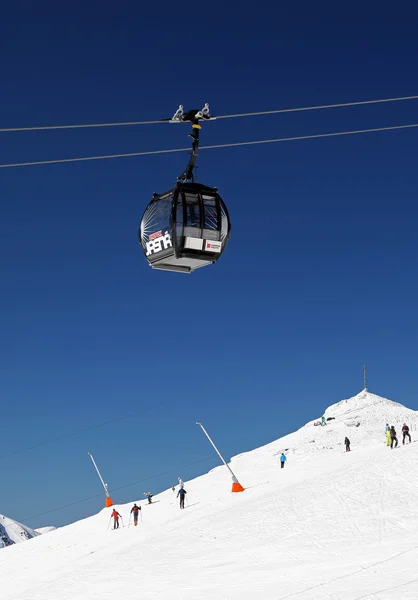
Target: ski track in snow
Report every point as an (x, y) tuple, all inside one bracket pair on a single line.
[(331, 525)]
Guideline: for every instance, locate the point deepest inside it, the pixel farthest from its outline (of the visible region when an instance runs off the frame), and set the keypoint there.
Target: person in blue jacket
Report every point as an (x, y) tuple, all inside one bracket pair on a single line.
[(282, 460)]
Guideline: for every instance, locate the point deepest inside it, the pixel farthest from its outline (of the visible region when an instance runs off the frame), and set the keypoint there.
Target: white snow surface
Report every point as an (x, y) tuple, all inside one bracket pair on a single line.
[(331, 525), (13, 532), (45, 529)]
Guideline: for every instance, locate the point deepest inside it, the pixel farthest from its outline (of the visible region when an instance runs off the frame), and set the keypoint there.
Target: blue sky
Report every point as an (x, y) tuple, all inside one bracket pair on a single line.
[(319, 276)]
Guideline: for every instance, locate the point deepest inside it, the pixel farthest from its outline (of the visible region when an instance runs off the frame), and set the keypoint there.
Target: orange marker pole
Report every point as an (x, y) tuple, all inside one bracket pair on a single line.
[(109, 501), (236, 486)]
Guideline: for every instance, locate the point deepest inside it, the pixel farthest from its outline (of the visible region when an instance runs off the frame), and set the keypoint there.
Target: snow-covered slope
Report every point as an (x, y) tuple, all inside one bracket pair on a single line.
[(45, 529), (12, 532), (330, 525)]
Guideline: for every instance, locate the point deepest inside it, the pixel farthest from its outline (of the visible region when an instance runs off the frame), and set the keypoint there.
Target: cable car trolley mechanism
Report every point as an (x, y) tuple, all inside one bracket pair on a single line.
[(187, 227)]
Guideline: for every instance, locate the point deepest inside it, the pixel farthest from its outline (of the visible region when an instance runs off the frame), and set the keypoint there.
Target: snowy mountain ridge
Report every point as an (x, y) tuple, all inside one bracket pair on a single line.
[(329, 525), (13, 532)]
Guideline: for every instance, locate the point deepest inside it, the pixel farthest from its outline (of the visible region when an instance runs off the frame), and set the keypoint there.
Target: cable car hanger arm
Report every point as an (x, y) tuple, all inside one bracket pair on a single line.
[(192, 116), (188, 173)]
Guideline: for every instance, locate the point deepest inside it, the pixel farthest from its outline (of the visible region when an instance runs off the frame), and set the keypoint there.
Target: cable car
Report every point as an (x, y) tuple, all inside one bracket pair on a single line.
[(187, 227)]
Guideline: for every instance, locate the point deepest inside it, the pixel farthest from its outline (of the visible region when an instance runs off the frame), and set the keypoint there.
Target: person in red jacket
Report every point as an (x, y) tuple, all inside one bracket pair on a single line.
[(405, 431), (115, 516)]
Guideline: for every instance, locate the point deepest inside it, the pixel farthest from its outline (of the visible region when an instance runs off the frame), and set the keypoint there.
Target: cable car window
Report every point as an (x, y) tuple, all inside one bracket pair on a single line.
[(155, 226), (225, 225), (192, 210), (180, 220), (210, 231)]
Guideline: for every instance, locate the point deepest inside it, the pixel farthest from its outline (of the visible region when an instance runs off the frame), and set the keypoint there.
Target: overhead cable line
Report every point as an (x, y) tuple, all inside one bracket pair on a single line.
[(320, 107), (117, 488), (212, 147), (77, 432), (231, 116), (64, 436), (84, 126)]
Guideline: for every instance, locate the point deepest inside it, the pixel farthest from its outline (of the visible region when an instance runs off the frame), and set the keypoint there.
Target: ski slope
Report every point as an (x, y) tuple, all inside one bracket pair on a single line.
[(331, 525)]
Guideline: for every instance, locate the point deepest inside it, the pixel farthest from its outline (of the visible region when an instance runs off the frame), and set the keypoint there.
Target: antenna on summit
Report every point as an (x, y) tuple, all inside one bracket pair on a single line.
[(365, 378)]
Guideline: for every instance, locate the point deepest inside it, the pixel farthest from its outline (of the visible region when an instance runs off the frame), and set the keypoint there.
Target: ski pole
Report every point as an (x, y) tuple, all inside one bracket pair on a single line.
[(110, 518), (129, 523), (121, 518)]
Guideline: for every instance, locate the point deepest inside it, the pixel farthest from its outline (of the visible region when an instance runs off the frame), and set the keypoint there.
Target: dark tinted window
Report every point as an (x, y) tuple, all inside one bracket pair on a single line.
[(211, 213), (179, 220), (192, 210), (155, 226)]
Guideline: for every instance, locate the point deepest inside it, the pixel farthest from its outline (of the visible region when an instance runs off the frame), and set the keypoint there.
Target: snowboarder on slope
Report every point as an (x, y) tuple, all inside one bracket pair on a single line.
[(393, 437), (149, 496), (388, 437), (182, 493), (116, 516), (405, 431), (135, 509), (283, 459), (347, 444)]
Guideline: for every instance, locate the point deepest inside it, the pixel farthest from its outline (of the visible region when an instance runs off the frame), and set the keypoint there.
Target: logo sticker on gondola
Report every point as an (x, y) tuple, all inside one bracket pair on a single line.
[(158, 242), (211, 246)]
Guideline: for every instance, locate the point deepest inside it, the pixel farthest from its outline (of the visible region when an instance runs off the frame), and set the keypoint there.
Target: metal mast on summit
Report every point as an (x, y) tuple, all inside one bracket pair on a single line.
[(365, 378)]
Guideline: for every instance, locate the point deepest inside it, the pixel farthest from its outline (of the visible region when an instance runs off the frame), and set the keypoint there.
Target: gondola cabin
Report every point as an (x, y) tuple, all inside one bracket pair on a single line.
[(185, 228)]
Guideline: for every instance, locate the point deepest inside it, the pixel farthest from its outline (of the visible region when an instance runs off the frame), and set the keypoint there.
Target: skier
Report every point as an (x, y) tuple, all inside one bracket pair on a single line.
[(405, 431), (173, 488), (180, 482), (116, 516), (347, 444), (135, 509), (149, 496), (283, 459), (387, 427), (323, 422), (182, 493), (393, 437), (388, 437)]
